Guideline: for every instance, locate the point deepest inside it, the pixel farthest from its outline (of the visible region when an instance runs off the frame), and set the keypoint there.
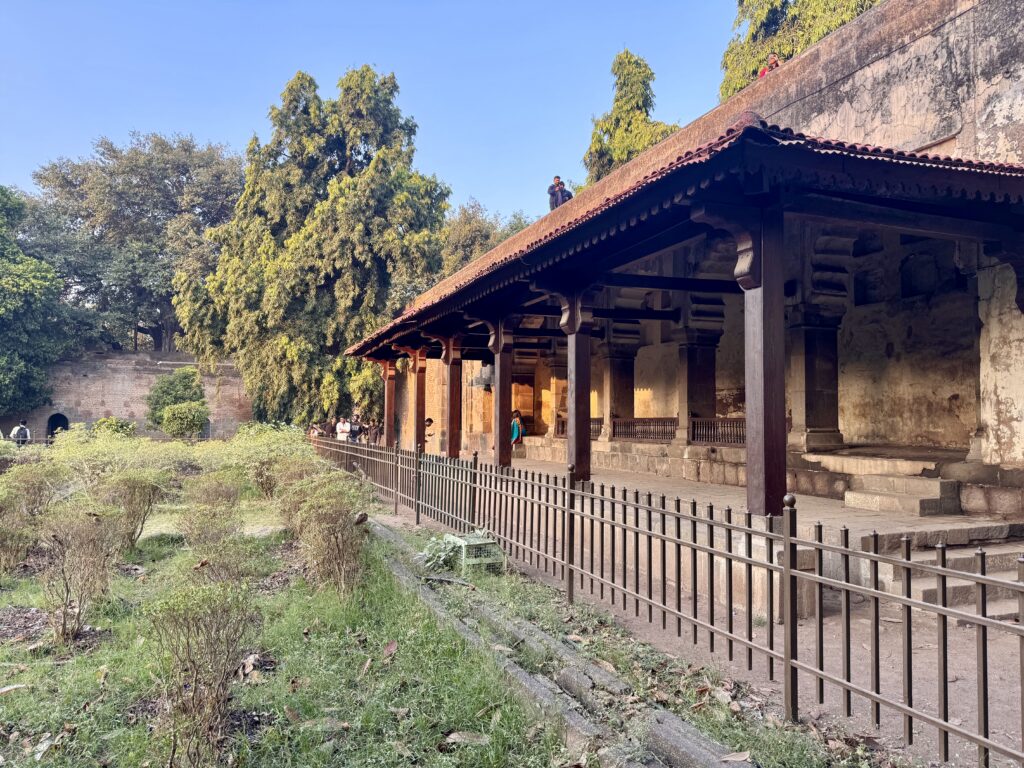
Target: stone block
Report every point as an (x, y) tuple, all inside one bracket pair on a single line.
[(1005, 502)]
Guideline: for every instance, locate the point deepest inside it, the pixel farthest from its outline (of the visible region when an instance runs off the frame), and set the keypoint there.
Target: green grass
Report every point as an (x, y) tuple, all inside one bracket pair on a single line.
[(398, 712)]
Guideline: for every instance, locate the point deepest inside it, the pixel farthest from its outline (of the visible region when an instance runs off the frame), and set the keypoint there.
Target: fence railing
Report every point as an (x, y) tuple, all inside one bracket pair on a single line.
[(718, 431), (859, 630), (647, 430), (562, 427)]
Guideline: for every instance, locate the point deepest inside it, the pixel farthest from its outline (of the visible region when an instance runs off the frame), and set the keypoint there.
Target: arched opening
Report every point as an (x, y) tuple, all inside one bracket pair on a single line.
[(56, 422)]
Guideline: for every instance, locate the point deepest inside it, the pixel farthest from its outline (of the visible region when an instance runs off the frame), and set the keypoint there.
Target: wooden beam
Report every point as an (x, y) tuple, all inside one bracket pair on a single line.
[(916, 222), (452, 357), (577, 319), (608, 313), (663, 283)]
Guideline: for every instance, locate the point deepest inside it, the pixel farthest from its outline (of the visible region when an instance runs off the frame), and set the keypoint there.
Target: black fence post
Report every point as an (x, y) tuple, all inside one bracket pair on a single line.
[(397, 484), (472, 488), (790, 691), (416, 483), (569, 534)]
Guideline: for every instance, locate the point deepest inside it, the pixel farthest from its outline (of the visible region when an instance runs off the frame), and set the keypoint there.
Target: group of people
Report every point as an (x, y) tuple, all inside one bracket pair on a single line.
[(353, 430)]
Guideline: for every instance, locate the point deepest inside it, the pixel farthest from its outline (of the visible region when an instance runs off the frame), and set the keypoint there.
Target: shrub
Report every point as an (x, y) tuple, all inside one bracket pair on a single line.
[(82, 546), (17, 534), (221, 488), (233, 560), (331, 530), (115, 426), (185, 420), (204, 525), (34, 485), (182, 386), (203, 630), (135, 492)]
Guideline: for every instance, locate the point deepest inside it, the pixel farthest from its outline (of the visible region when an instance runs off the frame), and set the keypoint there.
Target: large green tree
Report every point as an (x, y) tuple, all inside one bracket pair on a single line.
[(334, 232), (34, 330), (119, 224), (470, 231), (785, 27), (627, 130)]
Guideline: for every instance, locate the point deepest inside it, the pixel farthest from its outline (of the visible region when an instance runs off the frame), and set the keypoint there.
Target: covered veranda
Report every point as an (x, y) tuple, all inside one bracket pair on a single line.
[(742, 258)]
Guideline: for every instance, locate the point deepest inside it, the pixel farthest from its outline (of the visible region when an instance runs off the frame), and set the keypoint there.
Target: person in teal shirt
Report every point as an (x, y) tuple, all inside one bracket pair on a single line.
[(517, 428)]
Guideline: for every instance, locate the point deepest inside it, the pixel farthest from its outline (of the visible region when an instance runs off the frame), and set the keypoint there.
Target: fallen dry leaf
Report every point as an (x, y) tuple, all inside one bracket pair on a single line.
[(291, 714), (736, 757), (366, 666), (14, 687), (390, 649), (468, 737)]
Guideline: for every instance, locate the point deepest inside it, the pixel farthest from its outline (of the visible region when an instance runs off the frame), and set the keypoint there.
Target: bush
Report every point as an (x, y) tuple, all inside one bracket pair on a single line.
[(204, 526), (220, 488), (185, 420), (234, 560), (115, 426), (203, 630), (81, 546), (135, 492), (182, 386), (17, 534), (330, 521), (33, 485)]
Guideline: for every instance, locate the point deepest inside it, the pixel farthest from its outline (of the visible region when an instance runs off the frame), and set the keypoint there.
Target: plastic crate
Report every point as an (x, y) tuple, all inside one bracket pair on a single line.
[(477, 553)]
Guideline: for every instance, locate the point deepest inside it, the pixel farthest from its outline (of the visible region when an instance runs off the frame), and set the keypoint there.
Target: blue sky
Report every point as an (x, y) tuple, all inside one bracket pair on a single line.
[(503, 92)]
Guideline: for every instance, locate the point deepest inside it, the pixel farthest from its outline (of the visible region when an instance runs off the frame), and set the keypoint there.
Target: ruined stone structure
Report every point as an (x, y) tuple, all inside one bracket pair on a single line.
[(900, 332), (116, 384)]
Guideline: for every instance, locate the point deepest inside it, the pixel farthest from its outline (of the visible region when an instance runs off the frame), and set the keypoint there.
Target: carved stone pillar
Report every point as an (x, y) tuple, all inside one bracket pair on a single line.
[(501, 344), (577, 321), (451, 355), (696, 389)]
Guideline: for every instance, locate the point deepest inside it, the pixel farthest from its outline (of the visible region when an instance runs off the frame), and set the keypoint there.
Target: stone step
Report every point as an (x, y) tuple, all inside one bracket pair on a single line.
[(999, 557), (1007, 609), (962, 591), (888, 501), (871, 465), (925, 487)]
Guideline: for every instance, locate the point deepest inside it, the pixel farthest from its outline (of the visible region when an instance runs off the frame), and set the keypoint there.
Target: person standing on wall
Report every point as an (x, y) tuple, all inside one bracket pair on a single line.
[(558, 194)]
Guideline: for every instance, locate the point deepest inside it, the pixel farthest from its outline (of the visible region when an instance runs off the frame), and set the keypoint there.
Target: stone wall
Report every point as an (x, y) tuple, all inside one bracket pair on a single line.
[(117, 383), (1002, 370)]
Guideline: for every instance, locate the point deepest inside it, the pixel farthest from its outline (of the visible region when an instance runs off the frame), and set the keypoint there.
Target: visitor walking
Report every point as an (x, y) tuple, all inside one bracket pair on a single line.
[(517, 428), (558, 194), (21, 434)]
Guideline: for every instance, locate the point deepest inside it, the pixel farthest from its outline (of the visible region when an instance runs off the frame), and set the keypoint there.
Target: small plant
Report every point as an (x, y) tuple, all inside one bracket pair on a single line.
[(114, 426), (203, 630), (185, 420), (17, 533), (82, 546), (136, 492), (231, 560), (439, 554)]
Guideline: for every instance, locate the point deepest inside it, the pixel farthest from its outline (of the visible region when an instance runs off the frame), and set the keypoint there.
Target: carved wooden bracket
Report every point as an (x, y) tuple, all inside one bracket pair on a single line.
[(415, 354), (744, 224), (451, 346)]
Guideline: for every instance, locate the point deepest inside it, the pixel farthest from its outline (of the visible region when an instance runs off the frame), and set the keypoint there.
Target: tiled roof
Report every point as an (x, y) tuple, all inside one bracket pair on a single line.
[(644, 170)]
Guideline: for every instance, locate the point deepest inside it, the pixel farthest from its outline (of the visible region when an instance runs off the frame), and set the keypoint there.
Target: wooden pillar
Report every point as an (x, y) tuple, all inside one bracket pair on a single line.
[(814, 375), (452, 357), (500, 344), (577, 321), (760, 272), (419, 396), (388, 374)]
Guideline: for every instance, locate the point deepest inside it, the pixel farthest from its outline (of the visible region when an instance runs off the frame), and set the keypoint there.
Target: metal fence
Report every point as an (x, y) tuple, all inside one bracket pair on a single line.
[(804, 608)]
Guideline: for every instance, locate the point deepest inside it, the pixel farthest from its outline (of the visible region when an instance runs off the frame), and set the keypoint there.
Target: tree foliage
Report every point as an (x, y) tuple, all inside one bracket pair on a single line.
[(185, 420), (119, 224), (33, 323), (785, 27), (470, 231), (182, 386), (627, 130), (335, 230)]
